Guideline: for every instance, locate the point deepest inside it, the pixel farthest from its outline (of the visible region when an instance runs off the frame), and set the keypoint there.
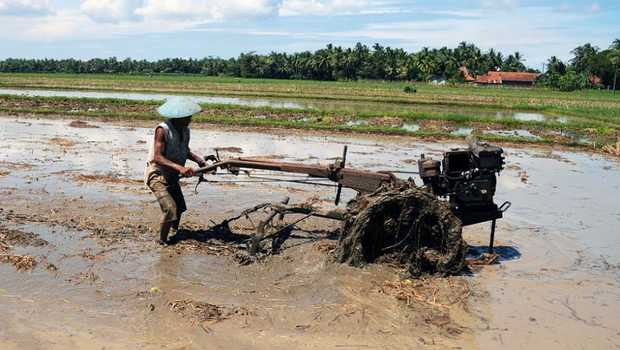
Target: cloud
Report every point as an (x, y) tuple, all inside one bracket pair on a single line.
[(500, 4), (541, 32), (25, 7), (206, 10), (322, 7), (111, 10)]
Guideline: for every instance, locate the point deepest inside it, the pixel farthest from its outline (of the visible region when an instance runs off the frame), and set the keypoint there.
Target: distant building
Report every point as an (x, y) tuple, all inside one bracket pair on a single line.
[(595, 80), (466, 76), (507, 78)]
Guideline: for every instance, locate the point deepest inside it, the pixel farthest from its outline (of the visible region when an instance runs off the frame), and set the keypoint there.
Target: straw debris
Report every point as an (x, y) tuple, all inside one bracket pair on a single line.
[(405, 225)]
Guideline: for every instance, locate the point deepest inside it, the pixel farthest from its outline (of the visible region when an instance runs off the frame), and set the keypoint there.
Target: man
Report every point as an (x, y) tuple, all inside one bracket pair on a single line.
[(167, 159)]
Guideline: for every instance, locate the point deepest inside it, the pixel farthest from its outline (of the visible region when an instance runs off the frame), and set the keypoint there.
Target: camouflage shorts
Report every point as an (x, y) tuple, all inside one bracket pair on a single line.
[(169, 196)]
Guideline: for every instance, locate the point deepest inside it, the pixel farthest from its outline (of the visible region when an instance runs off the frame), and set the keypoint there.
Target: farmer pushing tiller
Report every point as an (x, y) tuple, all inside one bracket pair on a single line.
[(421, 225)]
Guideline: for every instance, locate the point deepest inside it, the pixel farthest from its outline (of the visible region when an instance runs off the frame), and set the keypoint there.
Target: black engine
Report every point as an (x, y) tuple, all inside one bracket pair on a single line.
[(467, 177)]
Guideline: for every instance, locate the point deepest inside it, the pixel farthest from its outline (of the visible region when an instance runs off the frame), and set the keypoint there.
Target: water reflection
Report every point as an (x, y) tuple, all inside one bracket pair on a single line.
[(580, 190), (531, 117), (153, 97), (513, 133), (410, 127)]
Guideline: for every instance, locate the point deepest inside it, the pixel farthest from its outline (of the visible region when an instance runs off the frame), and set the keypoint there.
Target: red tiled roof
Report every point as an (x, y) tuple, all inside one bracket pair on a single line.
[(465, 72), (595, 80), (493, 77)]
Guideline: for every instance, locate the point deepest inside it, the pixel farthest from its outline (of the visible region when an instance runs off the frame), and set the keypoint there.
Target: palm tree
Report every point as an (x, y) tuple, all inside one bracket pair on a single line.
[(424, 62), (555, 65), (615, 59), (584, 58)]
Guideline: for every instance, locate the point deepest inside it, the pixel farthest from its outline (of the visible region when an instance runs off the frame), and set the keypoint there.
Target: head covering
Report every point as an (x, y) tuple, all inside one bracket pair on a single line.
[(179, 107)]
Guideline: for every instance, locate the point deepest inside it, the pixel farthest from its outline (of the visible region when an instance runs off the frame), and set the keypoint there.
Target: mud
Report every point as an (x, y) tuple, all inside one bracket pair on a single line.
[(62, 142), (107, 179), (12, 237), (102, 281), (229, 149), (567, 134), (21, 262), (433, 298), (200, 312), (81, 124), (9, 238), (403, 224)]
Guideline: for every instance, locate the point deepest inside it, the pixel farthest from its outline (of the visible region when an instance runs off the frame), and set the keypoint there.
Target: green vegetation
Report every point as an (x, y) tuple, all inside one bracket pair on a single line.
[(590, 67), (330, 63), (591, 125), (334, 63), (588, 118)]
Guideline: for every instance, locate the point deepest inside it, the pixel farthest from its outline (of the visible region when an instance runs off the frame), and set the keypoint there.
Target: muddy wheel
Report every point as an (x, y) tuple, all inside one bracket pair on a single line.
[(407, 225)]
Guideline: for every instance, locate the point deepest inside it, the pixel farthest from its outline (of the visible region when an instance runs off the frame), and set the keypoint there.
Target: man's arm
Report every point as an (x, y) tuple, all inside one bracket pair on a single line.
[(160, 159), (197, 159)]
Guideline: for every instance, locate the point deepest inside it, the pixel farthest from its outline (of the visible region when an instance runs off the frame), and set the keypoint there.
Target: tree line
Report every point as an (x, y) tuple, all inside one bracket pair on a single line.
[(590, 67), (338, 63)]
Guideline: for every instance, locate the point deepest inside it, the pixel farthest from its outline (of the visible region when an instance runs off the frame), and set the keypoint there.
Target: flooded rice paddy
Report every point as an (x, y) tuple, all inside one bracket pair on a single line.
[(281, 103), (133, 96), (101, 281)]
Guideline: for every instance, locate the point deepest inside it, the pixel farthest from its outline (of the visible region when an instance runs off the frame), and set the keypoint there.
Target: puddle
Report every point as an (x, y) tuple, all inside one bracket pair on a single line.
[(574, 136), (531, 117), (305, 120), (357, 122), (410, 127), (154, 97), (513, 133), (462, 132)]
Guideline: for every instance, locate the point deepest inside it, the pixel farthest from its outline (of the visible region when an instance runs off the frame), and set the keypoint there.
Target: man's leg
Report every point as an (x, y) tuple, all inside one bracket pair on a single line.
[(163, 232), (179, 201), (175, 225), (167, 203)]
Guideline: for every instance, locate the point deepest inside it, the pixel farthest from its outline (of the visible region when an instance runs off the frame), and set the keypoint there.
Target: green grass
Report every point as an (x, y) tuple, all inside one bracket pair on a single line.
[(370, 97), (595, 114)]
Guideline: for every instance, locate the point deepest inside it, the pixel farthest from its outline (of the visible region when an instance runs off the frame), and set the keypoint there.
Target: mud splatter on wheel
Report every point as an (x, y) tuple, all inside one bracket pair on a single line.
[(405, 224)]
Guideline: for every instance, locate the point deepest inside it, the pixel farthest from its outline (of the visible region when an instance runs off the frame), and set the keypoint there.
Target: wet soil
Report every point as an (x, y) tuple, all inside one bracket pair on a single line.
[(102, 281), (81, 124), (567, 134)]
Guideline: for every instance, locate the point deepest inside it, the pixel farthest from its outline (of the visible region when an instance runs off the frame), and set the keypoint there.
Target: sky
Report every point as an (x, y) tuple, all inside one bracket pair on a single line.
[(154, 29)]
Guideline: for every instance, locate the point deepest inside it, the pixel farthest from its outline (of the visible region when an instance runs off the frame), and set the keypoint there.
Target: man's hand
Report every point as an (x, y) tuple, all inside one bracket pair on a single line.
[(186, 172)]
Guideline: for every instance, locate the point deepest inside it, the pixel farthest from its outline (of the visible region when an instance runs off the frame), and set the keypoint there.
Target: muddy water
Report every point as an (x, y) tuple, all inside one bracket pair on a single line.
[(558, 284)]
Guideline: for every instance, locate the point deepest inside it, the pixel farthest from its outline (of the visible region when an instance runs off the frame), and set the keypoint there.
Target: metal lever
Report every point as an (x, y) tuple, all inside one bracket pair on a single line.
[(503, 208), (342, 165), (201, 179), (492, 238)]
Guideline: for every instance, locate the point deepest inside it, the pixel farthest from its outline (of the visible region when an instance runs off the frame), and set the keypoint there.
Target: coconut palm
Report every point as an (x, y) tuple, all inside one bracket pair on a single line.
[(615, 60)]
